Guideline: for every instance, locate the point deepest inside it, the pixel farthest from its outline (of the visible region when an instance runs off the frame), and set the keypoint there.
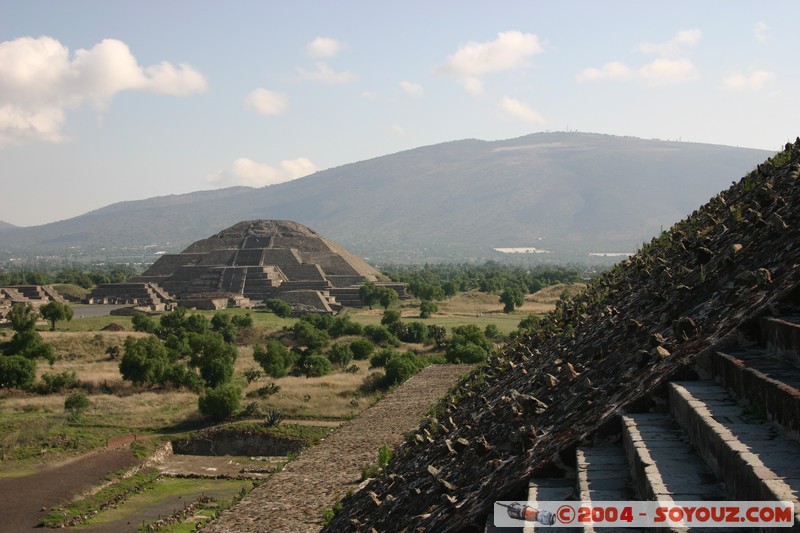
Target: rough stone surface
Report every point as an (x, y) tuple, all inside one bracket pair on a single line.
[(259, 259), (292, 500), (693, 307)]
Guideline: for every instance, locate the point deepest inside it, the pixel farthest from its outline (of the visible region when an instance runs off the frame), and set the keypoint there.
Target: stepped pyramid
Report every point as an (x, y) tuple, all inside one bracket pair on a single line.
[(259, 259), (676, 375)]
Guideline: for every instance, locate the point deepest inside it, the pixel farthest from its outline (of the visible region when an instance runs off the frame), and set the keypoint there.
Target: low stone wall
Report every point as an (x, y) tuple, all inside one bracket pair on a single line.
[(231, 441)]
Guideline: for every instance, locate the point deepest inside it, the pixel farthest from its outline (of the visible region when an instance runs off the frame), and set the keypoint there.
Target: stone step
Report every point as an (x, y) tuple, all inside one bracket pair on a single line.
[(663, 464), (551, 490), (603, 475), (752, 457), (781, 336), (767, 381)]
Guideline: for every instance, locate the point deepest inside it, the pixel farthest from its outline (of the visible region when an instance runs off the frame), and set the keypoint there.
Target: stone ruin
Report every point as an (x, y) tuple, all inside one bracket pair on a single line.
[(36, 295), (253, 261)]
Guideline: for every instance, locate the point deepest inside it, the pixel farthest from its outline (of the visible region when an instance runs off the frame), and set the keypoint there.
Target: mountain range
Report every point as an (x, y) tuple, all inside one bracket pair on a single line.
[(570, 194)]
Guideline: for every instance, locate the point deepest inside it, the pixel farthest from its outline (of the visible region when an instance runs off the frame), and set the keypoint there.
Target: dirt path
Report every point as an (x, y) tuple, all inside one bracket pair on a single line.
[(291, 501), (23, 498)]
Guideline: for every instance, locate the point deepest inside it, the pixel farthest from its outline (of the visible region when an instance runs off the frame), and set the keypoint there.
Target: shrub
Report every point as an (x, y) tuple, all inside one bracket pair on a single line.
[(17, 371), (279, 307), (402, 367), (181, 375), (342, 325), (492, 332), (465, 353), (144, 362), (268, 390), (381, 335), (252, 374), (275, 359), (306, 334), (316, 365), (221, 402), (382, 357), (273, 418), (362, 349), (390, 316), (340, 354), (75, 404), (427, 308), (58, 382)]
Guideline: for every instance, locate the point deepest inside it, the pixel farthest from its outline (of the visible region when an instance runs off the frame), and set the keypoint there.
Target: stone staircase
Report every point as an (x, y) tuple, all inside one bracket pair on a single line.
[(733, 436)]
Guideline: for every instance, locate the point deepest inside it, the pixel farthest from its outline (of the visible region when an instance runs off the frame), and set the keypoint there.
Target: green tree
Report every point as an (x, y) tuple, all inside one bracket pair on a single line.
[(144, 362), (213, 357), (368, 292), (75, 404), (390, 316), (401, 367), (55, 311), (511, 298), (468, 344), (307, 335), (17, 371), (340, 354), (221, 402), (427, 308), (144, 323), (387, 296), (316, 365), (23, 317), (361, 348), (279, 307), (26, 340), (275, 358)]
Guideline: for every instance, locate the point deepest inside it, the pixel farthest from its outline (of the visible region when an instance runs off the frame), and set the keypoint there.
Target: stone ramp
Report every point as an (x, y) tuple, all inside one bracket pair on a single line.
[(292, 500)]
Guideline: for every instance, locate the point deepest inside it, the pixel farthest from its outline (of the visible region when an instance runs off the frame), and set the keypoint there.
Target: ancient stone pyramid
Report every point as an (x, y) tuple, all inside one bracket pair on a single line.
[(260, 259), (606, 363)]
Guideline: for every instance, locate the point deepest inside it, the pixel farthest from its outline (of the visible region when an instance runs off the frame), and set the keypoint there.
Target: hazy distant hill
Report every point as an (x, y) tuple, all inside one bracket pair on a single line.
[(569, 193), (6, 225)]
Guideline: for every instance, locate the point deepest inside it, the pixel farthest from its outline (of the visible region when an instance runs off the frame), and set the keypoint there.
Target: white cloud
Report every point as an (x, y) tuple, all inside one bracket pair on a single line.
[(672, 65), (412, 89), (760, 32), (245, 171), (267, 102), (370, 95), (675, 46), (757, 80), (322, 47), (511, 50), (614, 70), (39, 82), (325, 74), (397, 129), (522, 111), (665, 71)]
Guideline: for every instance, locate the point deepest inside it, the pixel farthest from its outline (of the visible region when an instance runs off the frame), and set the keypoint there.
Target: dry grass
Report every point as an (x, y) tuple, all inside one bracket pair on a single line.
[(81, 346), (331, 397)]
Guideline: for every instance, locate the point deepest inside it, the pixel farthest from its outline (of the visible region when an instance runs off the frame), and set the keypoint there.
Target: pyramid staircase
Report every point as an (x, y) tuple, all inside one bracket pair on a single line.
[(732, 437)]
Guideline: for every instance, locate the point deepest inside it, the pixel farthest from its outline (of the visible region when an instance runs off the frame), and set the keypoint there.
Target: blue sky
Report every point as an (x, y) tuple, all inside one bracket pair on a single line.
[(103, 102)]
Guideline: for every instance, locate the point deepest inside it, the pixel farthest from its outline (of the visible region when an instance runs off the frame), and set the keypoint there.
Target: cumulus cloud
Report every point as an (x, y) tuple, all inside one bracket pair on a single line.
[(511, 50), (322, 47), (522, 111), (412, 89), (663, 71), (614, 70), (39, 82), (267, 102), (755, 81), (672, 65), (675, 46), (325, 74), (245, 171)]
